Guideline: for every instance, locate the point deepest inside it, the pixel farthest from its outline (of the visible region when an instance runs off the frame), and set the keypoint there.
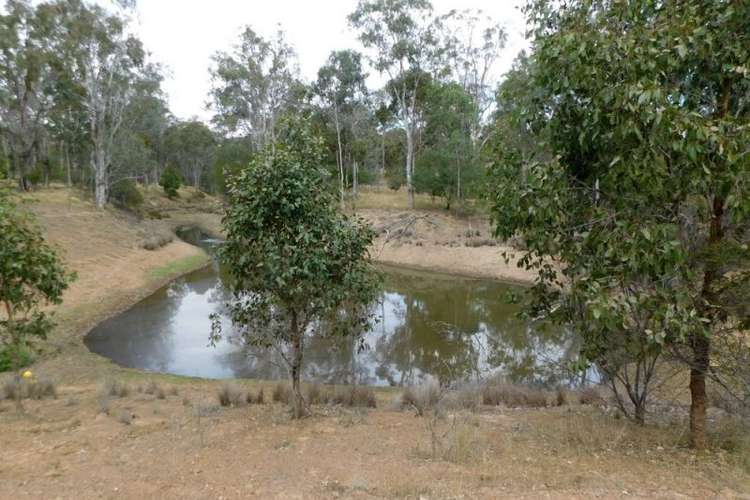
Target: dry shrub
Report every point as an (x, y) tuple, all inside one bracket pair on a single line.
[(114, 388), (593, 431), (315, 396), (421, 397), (457, 440), (732, 435), (231, 395), (498, 392), (125, 417), (591, 396), (563, 397), (156, 240), (466, 397), (282, 393), (480, 242), (154, 389), (173, 391), (358, 396), (255, 399), (18, 390)]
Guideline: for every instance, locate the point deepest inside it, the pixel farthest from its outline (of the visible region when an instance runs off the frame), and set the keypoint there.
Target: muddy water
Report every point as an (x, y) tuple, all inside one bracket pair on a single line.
[(426, 324)]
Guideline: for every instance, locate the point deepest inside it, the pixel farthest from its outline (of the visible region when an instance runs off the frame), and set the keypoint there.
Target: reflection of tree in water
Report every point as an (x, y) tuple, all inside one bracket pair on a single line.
[(447, 327), (437, 330), (142, 336)]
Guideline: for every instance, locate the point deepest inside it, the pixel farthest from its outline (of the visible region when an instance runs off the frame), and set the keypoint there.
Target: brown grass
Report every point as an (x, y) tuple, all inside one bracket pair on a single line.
[(497, 392)]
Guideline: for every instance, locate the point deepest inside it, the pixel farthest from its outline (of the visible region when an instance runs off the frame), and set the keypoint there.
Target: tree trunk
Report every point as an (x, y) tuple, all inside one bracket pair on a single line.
[(69, 178), (701, 342), (299, 408), (339, 157), (409, 165), (355, 183), (98, 164)]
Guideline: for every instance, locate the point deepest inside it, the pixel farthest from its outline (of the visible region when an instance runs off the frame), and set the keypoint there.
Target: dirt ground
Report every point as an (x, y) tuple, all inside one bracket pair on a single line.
[(178, 442)]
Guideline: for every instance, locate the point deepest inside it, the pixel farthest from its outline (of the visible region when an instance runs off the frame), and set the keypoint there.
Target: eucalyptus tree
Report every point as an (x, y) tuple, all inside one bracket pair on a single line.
[(406, 43), (107, 62), (473, 44), (635, 221), (27, 77), (190, 145), (252, 86), (447, 164), (341, 86), (297, 266)]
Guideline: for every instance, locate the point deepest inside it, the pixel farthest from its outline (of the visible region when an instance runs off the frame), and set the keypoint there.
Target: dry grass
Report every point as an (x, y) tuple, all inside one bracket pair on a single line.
[(498, 392), (591, 395), (231, 395), (18, 390), (422, 397), (456, 439), (157, 239), (114, 388)]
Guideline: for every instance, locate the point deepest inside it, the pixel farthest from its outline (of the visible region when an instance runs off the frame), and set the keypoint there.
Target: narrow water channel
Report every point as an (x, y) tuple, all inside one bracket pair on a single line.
[(426, 324)]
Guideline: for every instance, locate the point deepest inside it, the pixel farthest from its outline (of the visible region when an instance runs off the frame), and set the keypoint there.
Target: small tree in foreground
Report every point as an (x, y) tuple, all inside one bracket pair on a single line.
[(31, 276), (297, 266)]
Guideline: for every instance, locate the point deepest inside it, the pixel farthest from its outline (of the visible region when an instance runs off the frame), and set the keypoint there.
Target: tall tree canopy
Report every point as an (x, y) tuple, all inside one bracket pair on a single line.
[(253, 86), (636, 224)]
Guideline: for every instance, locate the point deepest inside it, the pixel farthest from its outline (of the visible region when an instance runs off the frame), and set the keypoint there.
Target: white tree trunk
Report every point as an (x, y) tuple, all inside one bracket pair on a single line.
[(101, 181), (409, 165)]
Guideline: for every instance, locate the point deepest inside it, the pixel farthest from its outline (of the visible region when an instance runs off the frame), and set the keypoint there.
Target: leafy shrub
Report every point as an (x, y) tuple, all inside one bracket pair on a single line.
[(170, 181), (9, 353), (395, 183), (125, 194)]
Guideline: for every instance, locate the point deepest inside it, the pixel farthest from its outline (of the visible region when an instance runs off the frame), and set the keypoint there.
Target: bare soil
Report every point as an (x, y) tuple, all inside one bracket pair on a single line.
[(83, 445)]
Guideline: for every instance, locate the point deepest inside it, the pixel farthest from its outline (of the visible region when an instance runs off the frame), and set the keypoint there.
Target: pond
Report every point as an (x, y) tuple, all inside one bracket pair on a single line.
[(426, 324)]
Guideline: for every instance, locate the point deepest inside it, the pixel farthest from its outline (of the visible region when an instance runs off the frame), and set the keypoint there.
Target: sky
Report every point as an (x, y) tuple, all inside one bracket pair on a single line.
[(183, 34)]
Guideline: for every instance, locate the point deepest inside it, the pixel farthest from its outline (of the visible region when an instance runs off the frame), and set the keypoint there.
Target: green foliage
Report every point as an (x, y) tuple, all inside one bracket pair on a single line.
[(447, 167), (297, 266), (635, 221), (125, 194), (31, 276), (13, 357), (170, 181)]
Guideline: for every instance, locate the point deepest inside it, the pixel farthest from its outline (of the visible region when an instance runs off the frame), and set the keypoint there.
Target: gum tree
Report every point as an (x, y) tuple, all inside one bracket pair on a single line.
[(31, 276), (636, 222), (298, 267), (404, 37)]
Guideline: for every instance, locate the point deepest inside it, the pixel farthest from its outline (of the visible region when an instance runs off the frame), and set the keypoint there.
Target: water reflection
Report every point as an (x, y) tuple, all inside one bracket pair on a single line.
[(426, 324)]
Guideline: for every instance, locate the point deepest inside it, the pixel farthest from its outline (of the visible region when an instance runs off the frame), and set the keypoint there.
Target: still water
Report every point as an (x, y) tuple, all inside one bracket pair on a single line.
[(426, 324)]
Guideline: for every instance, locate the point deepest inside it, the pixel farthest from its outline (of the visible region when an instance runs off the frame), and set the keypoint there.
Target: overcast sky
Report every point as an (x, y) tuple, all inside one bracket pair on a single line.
[(183, 34)]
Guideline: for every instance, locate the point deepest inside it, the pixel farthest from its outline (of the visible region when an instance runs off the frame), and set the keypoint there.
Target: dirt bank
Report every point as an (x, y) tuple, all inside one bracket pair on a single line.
[(436, 240)]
